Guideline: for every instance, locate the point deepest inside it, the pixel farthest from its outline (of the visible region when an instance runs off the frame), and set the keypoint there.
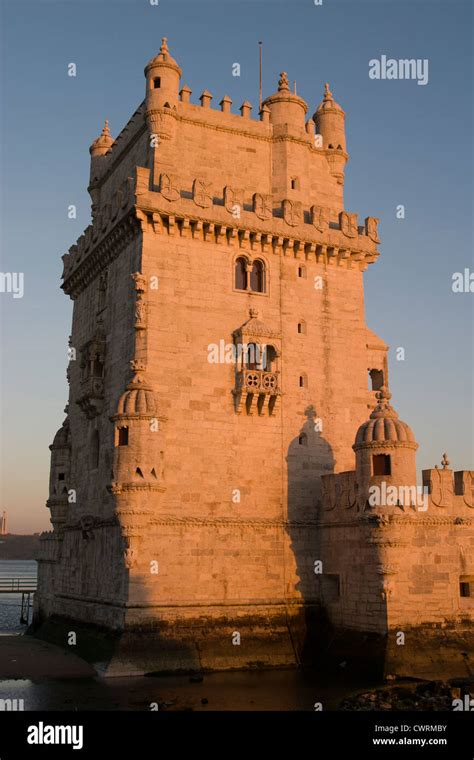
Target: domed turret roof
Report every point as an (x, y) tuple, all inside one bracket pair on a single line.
[(284, 94), (103, 143), (384, 425), (138, 398), (328, 103), (163, 58), (62, 438)]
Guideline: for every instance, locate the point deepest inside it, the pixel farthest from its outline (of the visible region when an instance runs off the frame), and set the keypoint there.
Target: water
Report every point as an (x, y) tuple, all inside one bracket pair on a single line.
[(264, 690), (10, 604)]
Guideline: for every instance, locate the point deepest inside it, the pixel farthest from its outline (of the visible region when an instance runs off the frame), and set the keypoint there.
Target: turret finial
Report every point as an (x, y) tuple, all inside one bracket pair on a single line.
[(445, 461), (383, 395), (327, 92), (106, 130), (164, 45), (283, 81)]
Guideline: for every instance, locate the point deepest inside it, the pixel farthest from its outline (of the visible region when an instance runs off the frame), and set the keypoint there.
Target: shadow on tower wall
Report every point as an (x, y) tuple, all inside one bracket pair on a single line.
[(337, 562)]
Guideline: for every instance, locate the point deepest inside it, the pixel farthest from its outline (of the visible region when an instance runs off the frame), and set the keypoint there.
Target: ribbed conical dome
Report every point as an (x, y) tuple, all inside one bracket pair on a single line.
[(103, 143), (328, 103), (384, 424), (139, 398), (164, 58), (62, 437)]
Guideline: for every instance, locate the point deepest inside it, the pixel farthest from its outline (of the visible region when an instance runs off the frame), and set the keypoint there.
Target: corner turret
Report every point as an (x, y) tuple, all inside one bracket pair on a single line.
[(330, 124), (385, 450)]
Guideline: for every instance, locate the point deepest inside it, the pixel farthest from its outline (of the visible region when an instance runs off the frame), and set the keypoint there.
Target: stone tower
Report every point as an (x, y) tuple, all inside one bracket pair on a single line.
[(220, 365)]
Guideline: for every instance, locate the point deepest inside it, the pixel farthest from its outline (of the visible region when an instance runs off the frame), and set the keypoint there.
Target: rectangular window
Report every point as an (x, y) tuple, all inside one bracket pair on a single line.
[(60, 475), (123, 436), (466, 585), (381, 464)]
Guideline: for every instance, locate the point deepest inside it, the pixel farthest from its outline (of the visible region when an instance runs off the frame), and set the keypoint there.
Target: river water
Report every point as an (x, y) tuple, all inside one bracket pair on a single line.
[(10, 604), (258, 690)]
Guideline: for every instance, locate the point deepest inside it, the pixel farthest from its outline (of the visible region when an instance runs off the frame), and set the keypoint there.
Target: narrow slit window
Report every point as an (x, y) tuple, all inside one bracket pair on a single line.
[(241, 274), (123, 436), (257, 277)]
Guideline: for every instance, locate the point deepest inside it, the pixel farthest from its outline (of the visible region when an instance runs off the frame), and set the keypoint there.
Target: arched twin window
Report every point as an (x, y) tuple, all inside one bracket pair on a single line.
[(247, 278)]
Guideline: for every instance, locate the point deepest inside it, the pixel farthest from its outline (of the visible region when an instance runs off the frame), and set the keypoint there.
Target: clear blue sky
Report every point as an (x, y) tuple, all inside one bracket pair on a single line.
[(409, 145)]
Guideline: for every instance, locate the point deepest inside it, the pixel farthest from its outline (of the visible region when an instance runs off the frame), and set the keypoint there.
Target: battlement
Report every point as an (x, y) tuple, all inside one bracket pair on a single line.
[(443, 493), (240, 219)]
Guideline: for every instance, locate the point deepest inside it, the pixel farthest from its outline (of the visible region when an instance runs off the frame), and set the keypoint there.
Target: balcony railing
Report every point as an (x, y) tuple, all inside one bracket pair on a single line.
[(257, 381)]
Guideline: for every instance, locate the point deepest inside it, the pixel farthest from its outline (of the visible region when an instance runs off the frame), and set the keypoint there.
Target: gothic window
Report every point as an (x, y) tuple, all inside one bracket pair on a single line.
[(98, 367), (252, 356), (241, 273), (269, 356), (102, 293), (257, 277), (123, 436), (376, 379), (381, 464), (94, 450)]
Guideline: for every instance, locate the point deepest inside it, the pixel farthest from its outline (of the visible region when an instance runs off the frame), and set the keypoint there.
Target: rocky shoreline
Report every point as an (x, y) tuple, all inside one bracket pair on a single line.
[(456, 693)]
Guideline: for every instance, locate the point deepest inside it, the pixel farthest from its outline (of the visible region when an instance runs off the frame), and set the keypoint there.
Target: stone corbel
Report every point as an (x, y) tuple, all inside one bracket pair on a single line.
[(157, 223), (142, 218), (185, 229), (277, 243), (197, 230), (232, 235), (244, 239)]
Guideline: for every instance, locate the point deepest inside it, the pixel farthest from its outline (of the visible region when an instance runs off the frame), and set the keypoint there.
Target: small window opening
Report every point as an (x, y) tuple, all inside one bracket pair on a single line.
[(157, 83), (381, 464), (139, 472), (60, 475), (303, 439), (303, 381), (302, 327), (466, 586), (376, 379), (123, 436), (301, 271)]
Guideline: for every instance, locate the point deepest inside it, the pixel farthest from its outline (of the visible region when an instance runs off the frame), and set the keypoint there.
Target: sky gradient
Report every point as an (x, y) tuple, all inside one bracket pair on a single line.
[(408, 144)]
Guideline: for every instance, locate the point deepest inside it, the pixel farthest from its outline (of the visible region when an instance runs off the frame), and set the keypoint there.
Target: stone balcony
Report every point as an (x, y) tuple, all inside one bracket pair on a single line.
[(92, 396), (257, 390)]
